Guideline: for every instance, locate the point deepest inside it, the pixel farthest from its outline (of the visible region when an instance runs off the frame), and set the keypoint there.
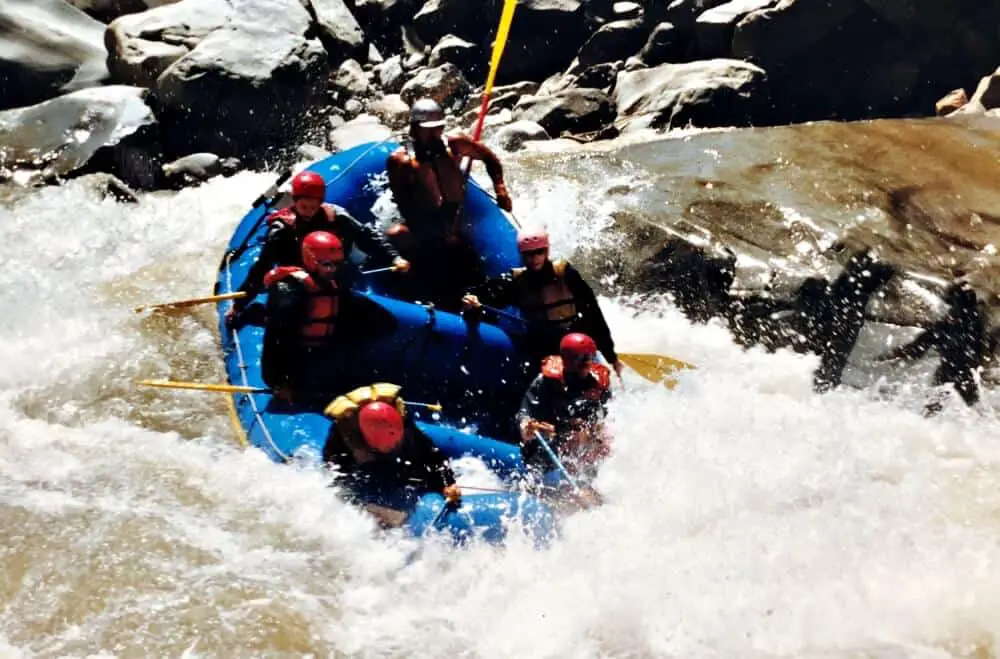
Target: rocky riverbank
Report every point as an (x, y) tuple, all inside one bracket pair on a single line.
[(256, 79)]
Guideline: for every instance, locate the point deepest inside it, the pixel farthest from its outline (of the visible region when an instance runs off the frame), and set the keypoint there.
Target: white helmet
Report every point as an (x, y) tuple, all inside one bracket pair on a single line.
[(427, 114)]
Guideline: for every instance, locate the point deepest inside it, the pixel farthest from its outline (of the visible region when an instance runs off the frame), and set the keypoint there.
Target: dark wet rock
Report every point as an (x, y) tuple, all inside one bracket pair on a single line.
[(390, 74), (466, 55), (681, 13), (349, 81), (47, 48), (107, 129), (338, 30), (383, 21), (247, 87), (599, 76), (513, 136), (665, 45), (108, 10), (713, 29), (569, 111), (612, 41), (717, 92), (445, 84)]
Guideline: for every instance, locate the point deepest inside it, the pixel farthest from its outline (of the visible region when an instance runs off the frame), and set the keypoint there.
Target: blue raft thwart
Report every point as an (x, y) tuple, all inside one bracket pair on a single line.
[(473, 369)]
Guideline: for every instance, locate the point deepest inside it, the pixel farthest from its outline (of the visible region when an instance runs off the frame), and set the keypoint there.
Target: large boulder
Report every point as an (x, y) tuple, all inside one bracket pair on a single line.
[(339, 30), (62, 135), (665, 44), (247, 87), (383, 21), (466, 55), (719, 92), (568, 111), (445, 84), (681, 13), (47, 48), (142, 46), (713, 29), (613, 41), (108, 10)]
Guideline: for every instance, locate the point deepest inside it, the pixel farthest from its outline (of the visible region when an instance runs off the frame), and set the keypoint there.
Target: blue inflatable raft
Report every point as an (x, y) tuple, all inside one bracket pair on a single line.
[(471, 368)]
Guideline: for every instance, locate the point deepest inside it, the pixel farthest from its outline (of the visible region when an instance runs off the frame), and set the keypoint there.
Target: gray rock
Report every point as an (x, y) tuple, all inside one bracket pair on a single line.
[(390, 74), (513, 137), (683, 13), (613, 41), (466, 55), (374, 56), (338, 30), (710, 93), (365, 128), (47, 48), (570, 111), (445, 84), (626, 10), (193, 168), (713, 29), (665, 44), (246, 88), (110, 187), (391, 110), (142, 46), (62, 135), (350, 81)]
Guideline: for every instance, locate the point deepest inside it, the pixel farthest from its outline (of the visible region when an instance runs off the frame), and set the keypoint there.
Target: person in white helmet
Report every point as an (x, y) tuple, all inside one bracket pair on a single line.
[(428, 187)]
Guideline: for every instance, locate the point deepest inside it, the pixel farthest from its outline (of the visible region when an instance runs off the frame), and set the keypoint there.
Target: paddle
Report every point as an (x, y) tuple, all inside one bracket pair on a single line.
[(239, 389), (655, 368), (180, 304), (558, 463)]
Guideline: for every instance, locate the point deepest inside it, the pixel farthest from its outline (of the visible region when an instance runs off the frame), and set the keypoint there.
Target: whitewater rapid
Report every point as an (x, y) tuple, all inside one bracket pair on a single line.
[(745, 516)]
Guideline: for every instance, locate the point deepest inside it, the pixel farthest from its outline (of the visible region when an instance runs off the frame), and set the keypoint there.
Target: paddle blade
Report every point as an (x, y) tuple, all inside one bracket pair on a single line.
[(655, 368), (180, 304)]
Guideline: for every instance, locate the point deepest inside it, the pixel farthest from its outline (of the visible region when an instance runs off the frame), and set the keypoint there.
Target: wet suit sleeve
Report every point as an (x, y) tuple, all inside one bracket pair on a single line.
[(916, 348), (592, 320), (536, 403), (371, 241), (254, 282), (426, 454), (286, 312)]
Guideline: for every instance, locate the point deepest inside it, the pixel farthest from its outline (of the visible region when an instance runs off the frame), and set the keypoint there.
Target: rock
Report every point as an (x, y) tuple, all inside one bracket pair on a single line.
[(390, 74), (445, 84), (626, 10), (467, 20), (612, 41), (772, 36), (466, 55), (512, 137), (108, 10), (246, 88), (383, 21), (364, 128), (717, 92), (97, 129), (352, 108), (374, 56), (599, 76), (47, 48), (338, 30), (392, 111), (110, 187), (414, 61), (665, 44), (683, 13), (349, 81), (988, 91), (142, 46), (197, 168), (570, 111), (951, 102), (713, 29)]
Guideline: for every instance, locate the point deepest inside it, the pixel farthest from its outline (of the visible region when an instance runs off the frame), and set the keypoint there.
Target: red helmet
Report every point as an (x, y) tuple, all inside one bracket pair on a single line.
[(531, 240), (381, 426), (321, 247), (576, 347), (309, 185)]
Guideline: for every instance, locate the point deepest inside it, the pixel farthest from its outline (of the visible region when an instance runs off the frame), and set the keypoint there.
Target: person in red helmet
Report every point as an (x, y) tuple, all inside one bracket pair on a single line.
[(303, 310), (567, 403), (308, 212), (552, 296), (428, 187), (379, 451)]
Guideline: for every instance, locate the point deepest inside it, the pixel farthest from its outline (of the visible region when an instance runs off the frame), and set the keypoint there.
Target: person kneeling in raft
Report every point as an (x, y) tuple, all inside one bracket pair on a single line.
[(380, 452)]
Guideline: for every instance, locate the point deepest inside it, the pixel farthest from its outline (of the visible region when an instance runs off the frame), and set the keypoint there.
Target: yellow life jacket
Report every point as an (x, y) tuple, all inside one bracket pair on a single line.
[(347, 406), (553, 303)]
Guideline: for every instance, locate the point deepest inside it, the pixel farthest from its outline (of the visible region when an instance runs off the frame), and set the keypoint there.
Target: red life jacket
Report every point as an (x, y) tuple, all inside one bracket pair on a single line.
[(553, 369), (324, 303)]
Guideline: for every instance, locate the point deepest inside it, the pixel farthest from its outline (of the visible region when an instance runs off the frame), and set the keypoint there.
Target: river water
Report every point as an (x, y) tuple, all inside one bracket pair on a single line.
[(746, 517)]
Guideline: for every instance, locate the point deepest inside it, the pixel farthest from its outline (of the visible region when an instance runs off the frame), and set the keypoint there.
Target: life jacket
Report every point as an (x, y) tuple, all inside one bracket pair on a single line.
[(553, 369), (324, 302), (551, 304), (348, 405)]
